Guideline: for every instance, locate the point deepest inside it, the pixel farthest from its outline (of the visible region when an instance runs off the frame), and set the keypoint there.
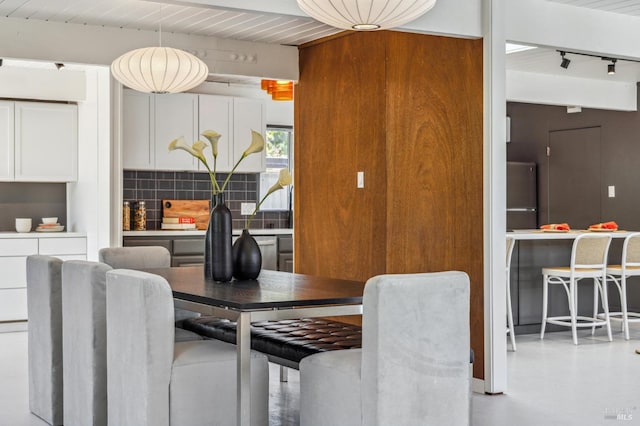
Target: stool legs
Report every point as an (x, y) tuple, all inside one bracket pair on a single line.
[(511, 330), (573, 310), (545, 291)]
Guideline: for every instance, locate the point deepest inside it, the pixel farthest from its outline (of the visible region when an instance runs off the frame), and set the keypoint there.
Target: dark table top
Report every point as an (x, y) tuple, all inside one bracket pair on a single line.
[(272, 289)]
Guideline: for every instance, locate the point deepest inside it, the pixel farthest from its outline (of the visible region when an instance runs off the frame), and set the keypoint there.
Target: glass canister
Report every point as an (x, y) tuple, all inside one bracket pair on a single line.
[(140, 218), (126, 216)]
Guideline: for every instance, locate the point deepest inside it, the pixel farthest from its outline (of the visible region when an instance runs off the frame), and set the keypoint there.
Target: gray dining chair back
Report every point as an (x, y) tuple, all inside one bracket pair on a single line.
[(145, 258), (135, 257), (84, 342), (44, 308), (153, 381), (413, 368)]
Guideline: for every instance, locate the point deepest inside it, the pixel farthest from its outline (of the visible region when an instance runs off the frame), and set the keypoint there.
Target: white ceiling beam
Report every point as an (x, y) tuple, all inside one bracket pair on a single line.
[(456, 18)]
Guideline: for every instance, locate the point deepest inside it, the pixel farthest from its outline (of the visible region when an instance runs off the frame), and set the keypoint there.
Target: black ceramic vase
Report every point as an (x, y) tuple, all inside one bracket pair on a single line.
[(218, 256), (247, 258)]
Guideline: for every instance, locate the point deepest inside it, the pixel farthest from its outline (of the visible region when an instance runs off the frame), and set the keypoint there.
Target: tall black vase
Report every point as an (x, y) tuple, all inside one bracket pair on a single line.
[(218, 256), (247, 258)]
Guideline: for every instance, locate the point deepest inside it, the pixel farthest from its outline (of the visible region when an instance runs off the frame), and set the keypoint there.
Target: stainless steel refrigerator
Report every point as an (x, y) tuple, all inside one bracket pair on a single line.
[(522, 195)]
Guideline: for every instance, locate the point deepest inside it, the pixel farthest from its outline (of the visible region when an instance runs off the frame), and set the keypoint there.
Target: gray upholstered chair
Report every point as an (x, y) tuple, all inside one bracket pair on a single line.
[(84, 342), (413, 368), (153, 381), (84, 327), (44, 304), (143, 258)]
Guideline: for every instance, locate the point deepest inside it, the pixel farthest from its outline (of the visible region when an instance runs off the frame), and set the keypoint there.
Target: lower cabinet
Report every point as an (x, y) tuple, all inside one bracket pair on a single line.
[(13, 264), (189, 250)]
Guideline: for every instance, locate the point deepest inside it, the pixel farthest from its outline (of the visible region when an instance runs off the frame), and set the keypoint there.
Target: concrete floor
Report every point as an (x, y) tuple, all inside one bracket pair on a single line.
[(551, 382)]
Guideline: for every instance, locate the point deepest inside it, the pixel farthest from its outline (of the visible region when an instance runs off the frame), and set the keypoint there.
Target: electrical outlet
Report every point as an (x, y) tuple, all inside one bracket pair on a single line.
[(360, 180), (247, 208)]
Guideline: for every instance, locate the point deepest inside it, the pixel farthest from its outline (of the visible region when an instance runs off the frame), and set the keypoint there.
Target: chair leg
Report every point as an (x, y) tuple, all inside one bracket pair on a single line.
[(573, 306), (623, 302), (512, 334), (544, 304), (605, 307), (595, 304)]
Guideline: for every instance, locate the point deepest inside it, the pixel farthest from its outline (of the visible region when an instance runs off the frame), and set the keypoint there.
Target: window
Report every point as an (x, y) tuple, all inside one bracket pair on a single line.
[(279, 146)]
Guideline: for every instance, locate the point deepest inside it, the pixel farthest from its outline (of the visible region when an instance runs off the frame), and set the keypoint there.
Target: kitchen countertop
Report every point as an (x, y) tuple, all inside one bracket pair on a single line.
[(537, 234), (185, 233), (34, 234)]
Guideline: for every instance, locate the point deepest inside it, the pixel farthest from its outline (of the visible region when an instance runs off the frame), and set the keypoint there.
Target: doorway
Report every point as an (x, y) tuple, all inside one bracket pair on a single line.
[(574, 177)]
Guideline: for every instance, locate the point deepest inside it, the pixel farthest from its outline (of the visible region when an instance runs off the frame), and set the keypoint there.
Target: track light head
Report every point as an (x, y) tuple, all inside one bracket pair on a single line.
[(565, 61), (59, 65), (611, 68)]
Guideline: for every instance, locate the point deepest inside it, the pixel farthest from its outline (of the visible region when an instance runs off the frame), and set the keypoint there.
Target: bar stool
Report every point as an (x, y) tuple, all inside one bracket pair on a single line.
[(630, 267), (588, 260), (510, 329)]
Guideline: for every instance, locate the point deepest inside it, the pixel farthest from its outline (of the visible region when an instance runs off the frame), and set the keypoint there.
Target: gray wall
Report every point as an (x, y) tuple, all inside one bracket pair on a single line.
[(34, 200), (620, 153)]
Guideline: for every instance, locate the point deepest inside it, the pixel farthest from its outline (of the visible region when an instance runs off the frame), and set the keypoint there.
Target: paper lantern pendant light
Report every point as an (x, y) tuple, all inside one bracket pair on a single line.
[(365, 14), (159, 70)]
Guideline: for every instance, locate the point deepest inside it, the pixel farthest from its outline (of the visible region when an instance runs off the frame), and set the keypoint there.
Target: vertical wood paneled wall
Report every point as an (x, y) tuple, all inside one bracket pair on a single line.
[(407, 110)]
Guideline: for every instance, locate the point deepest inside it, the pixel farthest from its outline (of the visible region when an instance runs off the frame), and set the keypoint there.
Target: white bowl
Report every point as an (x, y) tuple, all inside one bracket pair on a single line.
[(49, 220), (23, 224)]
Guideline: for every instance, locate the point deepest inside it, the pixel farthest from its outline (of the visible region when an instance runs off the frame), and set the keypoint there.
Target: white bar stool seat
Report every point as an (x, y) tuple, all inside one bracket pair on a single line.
[(588, 260), (630, 267)]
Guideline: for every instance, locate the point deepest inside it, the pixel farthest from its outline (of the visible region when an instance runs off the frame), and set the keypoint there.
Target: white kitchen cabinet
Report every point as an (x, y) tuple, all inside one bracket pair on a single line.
[(137, 131), (150, 123), (175, 115), (46, 142), (248, 114), (216, 113), (6, 141), (38, 142), (13, 264)]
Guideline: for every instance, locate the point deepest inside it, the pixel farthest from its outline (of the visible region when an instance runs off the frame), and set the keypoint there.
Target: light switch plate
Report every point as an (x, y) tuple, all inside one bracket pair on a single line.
[(247, 208), (612, 191), (360, 180)]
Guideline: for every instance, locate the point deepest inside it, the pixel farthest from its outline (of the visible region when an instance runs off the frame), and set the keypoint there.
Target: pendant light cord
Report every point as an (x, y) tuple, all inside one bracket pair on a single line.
[(160, 27)]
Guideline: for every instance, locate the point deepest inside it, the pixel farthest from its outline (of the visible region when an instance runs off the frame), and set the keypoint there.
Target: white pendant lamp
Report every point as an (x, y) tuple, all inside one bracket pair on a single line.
[(159, 70), (365, 15)]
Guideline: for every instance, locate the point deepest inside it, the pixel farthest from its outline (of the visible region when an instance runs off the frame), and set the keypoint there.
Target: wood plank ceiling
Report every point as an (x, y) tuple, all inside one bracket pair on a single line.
[(147, 15)]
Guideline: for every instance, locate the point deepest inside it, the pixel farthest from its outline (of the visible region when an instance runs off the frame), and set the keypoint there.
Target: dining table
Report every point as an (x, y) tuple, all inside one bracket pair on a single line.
[(273, 295)]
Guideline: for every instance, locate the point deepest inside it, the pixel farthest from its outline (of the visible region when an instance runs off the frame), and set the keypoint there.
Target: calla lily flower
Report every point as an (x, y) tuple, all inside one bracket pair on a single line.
[(213, 137), (195, 149), (257, 144), (284, 179)]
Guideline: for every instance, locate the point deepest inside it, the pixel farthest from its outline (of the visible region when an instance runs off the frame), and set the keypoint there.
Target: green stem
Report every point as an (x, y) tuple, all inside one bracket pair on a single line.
[(212, 176), (250, 218), (226, 181)]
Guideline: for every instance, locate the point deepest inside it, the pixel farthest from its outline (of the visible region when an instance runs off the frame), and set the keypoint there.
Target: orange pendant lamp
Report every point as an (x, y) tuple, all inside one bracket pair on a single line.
[(280, 90)]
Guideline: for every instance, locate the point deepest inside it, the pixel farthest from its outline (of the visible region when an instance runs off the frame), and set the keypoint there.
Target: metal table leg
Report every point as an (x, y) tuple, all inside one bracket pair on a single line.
[(243, 345)]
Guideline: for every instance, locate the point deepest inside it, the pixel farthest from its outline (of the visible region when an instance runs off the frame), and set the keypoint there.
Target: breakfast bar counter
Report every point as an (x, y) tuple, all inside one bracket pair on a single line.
[(535, 249)]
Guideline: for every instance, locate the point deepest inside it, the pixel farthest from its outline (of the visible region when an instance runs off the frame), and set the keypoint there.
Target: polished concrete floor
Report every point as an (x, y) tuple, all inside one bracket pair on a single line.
[(551, 382)]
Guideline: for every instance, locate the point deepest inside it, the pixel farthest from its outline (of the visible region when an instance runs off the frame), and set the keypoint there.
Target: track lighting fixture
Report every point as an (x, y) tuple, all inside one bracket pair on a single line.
[(0, 62), (611, 68), (565, 61), (59, 65)]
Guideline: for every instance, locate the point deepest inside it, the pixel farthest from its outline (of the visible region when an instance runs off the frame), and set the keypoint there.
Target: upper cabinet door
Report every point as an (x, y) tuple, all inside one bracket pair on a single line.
[(46, 142), (6, 140), (176, 115), (216, 113), (248, 114), (137, 135)]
